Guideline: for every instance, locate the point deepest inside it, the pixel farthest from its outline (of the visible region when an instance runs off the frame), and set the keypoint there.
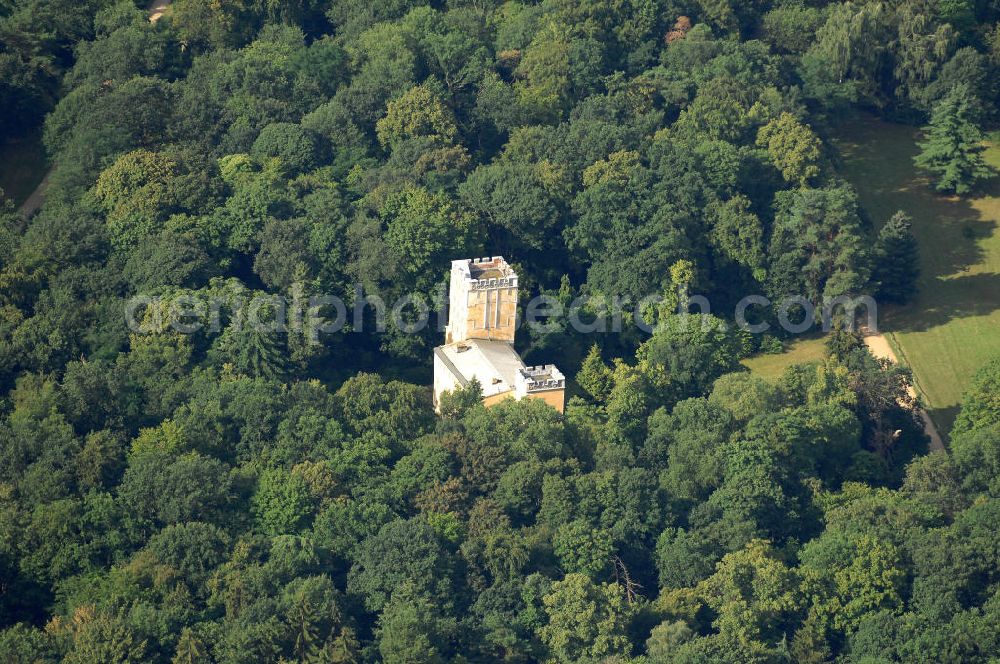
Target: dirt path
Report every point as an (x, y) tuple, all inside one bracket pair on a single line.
[(880, 348), (31, 204)]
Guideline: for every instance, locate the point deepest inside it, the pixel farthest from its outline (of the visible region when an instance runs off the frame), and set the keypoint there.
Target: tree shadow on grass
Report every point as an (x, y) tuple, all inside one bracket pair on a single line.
[(949, 251), (949, 231), (957, 297)]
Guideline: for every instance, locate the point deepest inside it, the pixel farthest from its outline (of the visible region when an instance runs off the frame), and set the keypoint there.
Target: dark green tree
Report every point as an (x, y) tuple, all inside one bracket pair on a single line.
[(952, 150), (401, 551), (252, 349), (817, 248), (297, 148), (896, 266)]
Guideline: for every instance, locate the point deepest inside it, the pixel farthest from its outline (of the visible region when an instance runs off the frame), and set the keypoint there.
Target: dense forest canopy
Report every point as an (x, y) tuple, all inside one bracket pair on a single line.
[(239, 495)]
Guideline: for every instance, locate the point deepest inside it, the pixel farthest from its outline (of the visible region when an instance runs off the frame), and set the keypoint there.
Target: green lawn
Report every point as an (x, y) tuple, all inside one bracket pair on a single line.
[(953, 326), (805, 349), (22, 167)]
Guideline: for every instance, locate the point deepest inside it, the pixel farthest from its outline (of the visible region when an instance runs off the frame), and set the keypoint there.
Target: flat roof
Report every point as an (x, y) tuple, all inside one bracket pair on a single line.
[(490, 267), (494, 363), (489, 273)]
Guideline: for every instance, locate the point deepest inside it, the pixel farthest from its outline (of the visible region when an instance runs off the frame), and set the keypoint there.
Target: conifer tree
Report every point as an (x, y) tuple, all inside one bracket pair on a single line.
[(190, 649), (896, 256), (251, 351), (953, 147), (595, 376)]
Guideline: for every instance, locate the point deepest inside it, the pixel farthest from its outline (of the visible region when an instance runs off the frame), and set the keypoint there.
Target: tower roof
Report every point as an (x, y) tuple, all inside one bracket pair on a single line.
[(490, 270)]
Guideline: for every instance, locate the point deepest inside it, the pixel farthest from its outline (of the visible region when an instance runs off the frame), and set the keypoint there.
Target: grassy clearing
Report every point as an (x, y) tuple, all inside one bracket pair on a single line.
[(22, 167), (805, 349), (953, 326)]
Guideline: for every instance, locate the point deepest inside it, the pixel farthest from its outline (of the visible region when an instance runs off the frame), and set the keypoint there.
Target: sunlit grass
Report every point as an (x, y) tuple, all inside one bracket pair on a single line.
[(798, 351)]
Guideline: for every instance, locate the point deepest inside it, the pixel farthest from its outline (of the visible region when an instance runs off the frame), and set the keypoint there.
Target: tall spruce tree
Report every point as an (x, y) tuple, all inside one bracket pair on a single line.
[(252, 351), (953, 149), (595, 376), (896, 259)]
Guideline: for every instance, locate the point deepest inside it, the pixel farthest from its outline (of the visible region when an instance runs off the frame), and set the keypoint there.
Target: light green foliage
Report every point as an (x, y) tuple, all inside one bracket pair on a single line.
[(687, 352), (595, 376), (867, 579), (744, 395), (738, 233), (582, 550), (282, 503), (753, 593), (721, 110), (135, 192), (832, 385), (585, 620), (163, 441), (545, 88), (793, 147), (104, 638), (981, 409), (665, 638), (417, 112), (628, 401)]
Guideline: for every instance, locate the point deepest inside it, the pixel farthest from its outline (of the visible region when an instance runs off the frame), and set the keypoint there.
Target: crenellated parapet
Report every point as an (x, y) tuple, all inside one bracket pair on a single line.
[(539, 378), (489, 272), (487, 284)]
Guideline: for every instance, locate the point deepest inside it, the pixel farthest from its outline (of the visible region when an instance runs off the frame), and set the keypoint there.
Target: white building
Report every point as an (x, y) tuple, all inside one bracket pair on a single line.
[(482, 323)]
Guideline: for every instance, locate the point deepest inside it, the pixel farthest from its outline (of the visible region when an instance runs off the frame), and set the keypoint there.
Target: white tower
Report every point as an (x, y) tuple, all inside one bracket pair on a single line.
[(482, 300)]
